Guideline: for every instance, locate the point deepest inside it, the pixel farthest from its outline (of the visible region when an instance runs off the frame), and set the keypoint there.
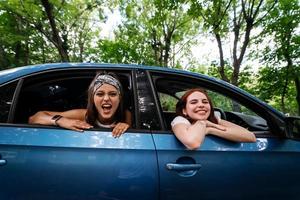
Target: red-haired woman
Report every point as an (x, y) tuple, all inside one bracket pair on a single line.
[(196, 119)]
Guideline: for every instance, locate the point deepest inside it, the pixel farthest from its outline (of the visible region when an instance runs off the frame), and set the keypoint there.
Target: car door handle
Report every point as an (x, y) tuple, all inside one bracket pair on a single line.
[(2, 162), (182, 167)]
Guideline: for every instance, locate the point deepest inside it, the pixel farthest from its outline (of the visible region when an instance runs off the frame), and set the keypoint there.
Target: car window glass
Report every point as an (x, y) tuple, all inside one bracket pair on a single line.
[(147, 111), (6, 93), (227, 104), (167, 102), (170, 91)]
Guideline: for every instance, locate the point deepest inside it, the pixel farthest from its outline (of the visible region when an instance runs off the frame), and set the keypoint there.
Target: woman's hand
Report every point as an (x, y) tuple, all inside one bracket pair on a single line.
[(73, 124), (119, 129), (210, 124)]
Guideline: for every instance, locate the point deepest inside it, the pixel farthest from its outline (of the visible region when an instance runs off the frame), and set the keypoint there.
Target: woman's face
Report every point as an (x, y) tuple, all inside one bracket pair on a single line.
[(106, 99), (197, 106)]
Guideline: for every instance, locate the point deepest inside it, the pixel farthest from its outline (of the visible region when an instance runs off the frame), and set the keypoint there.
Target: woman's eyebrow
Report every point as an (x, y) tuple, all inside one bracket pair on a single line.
[(193, 100)]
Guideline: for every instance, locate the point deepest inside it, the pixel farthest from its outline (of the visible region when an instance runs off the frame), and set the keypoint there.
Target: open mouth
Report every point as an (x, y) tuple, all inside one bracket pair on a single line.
[(106, 108)]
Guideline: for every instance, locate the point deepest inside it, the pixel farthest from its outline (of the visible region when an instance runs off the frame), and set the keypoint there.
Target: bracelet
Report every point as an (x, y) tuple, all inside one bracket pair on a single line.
[(55, 118)]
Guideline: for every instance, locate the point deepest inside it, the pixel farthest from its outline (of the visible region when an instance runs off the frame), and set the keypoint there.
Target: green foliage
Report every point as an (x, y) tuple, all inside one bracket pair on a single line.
[(269, 88), (215, 15), (27, 36), (163, 26), (168, 103), (281, 56), (160, 32)]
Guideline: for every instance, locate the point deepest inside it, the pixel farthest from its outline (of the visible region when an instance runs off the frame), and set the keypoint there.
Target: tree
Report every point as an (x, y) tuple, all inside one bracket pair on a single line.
[(164, 26), (127, 47), (57, 23), (282, 53), (223, 18)]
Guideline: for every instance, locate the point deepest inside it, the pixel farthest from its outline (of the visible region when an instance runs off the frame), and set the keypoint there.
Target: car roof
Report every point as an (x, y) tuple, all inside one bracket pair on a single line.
[(15, 73)]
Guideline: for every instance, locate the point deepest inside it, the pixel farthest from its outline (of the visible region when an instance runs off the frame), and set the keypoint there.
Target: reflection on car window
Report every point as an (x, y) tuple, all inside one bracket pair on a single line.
[(227, 104), (6, 93), (170, 90), (148, 117), (167, 102)]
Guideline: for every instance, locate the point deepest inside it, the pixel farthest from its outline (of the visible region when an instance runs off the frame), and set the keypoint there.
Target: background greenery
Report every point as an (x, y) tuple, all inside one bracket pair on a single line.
[(163, 33)]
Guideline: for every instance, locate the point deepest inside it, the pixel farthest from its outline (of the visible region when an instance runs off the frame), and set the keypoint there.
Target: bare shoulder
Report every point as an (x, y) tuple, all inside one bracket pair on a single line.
[(180, 128)]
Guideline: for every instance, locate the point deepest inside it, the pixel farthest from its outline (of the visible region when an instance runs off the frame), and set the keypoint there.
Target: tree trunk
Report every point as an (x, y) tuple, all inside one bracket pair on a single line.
[(18, 50), (26, 54), (297, 83), (62, 49), (167, 50), (156, 47), (222, 62), (4, 63), (284, 89), (237, 60)]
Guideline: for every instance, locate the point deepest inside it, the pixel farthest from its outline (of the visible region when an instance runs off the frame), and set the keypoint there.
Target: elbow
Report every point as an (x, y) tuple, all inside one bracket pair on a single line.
[(193, 145), (34, 119), (250, 138), (31, 119)]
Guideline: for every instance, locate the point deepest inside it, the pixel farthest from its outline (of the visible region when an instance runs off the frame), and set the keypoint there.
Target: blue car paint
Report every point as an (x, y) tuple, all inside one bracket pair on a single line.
[(267, 169), (65, 164)]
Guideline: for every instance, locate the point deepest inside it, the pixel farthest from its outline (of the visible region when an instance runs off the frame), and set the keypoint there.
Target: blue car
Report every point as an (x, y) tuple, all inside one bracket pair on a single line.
[(147, 162)]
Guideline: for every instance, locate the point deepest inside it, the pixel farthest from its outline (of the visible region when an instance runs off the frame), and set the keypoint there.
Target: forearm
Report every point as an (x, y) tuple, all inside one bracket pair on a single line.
[(235, 134), (42, 117), (193, 136)]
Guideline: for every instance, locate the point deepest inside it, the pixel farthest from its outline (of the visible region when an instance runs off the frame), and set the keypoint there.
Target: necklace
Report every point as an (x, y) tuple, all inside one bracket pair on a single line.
[(105, 125)]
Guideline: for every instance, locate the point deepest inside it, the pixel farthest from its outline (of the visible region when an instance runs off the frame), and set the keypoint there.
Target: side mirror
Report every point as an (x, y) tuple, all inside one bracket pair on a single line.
[(293, 127)]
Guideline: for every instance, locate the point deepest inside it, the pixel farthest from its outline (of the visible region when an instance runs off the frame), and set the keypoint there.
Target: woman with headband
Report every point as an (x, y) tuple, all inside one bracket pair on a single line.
[(104, 109)]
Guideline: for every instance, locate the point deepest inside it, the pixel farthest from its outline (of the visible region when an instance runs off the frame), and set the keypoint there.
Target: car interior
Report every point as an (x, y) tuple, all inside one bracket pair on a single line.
[(60, 91), (172, 88)]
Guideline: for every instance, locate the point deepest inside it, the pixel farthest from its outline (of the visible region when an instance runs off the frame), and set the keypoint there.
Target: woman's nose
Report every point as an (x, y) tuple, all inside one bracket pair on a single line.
[(106, 97), (200, 104)]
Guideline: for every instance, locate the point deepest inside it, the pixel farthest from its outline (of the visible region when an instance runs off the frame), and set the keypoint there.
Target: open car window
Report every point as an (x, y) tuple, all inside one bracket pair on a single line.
[(170, 89), (60, 91)]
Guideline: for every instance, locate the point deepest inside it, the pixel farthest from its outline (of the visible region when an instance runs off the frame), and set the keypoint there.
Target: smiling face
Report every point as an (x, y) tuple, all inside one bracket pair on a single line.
[(106, 100), (197, 106)]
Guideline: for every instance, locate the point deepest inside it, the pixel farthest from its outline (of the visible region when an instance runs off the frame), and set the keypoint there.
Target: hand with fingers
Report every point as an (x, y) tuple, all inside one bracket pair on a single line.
[(210, 124), (119, 129), (73, 124)]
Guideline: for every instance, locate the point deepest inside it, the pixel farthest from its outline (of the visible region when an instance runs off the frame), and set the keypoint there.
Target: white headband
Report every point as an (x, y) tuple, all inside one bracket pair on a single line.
[(108, 79)]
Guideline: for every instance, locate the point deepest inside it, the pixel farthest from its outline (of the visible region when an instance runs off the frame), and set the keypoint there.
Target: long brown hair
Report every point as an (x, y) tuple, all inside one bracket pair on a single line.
[(92, 113), (181, 104)]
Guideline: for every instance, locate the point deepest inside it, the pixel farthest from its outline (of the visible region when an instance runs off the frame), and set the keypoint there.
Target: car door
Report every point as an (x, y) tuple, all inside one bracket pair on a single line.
[(43, 162), (220, 169)]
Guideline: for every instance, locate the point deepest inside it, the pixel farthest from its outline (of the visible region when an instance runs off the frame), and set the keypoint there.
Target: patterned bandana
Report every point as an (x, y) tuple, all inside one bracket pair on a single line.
[(108, 79)]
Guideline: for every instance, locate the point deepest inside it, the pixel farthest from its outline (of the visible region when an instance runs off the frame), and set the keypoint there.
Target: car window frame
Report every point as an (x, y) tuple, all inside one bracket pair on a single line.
[(47, 76), (275, 124)]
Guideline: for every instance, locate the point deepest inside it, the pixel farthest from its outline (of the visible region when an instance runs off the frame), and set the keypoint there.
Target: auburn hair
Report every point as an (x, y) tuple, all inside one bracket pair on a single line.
[(181, 104)]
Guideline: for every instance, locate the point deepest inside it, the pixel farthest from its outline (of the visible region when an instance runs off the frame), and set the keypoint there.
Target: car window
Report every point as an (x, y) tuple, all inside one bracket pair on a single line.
[(170, 89), (60, 91), (6, 92), (167, 102)]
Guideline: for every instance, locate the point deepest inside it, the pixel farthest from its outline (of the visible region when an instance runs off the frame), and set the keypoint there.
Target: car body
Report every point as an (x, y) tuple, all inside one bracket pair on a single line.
[(147, 162)]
